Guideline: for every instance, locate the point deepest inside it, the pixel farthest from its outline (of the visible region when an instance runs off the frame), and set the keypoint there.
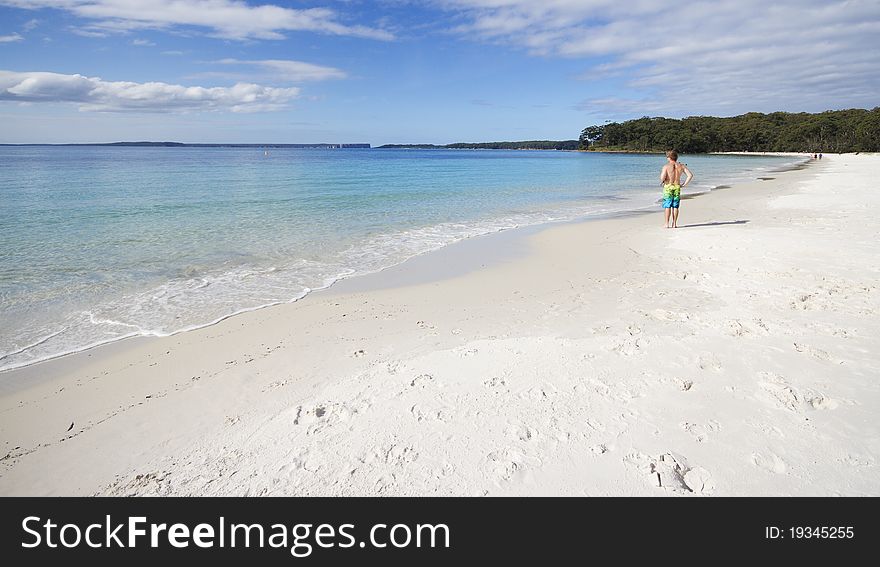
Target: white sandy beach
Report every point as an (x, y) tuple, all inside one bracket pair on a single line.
[(738, 355)]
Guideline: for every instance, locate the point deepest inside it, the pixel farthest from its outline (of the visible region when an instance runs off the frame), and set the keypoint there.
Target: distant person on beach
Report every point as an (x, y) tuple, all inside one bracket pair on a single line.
[(670, 178), (820, 156)]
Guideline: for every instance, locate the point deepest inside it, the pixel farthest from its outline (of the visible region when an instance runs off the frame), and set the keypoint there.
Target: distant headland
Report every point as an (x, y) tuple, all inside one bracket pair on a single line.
[(525, 145), (568, 145)]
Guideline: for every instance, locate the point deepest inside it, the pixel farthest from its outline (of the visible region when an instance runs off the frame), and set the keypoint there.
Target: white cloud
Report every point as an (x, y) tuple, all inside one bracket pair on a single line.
[(142, 42), (95, 94), (10, 38), (233, 19), (30, 24), (698, 57), (173, 52), (89, 32), (290, 71), (620, 106)]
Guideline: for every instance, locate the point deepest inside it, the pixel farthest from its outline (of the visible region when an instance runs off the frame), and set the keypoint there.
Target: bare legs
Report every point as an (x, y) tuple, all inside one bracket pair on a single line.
[(673, 212)]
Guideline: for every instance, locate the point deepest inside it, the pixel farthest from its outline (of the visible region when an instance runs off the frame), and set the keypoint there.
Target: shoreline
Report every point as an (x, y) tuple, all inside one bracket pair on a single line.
[(114, 346), (533, 373), (538, 226)]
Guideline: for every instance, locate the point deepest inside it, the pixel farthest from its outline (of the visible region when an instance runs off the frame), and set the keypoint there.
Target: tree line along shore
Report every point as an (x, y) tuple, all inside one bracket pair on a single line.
[(837, 131), (854, 130)]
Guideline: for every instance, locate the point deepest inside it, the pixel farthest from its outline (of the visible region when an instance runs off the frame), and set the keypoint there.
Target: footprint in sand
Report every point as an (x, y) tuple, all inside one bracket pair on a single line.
[(802, 302), (598, 386), (503, 465), (304, 461), (664, 315), (539, 393), (708, 361), (628, 347), (398, 455), (763, 328), (395, 454), (857, 460), (509, 465), (672, 472), (422, 381), (275, 385), (320, 416), (820, 402), (496, 383), (766, 429), (700, 481), (601, 449), (701, 432), (774, 390), (149, 484), (521, 432), (421, 413), (822, 299), (833, 330), (816, 353), (770, 462), (735, 328)]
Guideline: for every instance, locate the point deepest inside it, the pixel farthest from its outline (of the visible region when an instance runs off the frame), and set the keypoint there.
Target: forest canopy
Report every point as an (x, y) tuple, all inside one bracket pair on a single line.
[(855, 130)]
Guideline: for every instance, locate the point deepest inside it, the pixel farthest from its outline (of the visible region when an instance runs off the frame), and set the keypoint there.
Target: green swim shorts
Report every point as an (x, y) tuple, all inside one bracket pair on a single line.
[(671, 195)]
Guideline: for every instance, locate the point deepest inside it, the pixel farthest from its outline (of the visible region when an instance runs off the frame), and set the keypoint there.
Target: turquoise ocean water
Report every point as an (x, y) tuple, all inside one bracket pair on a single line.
[(101, 243)]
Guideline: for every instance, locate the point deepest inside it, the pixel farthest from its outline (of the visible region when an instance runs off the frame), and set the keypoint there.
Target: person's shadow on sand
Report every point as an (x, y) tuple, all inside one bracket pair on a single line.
[(719, 223)]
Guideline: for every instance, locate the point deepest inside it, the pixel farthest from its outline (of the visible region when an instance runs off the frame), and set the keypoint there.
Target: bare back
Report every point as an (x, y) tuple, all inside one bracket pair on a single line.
[(672, 173)]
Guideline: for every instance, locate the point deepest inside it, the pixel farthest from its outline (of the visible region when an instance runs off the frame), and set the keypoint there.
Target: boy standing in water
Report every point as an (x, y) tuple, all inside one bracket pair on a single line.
[(670, 178)]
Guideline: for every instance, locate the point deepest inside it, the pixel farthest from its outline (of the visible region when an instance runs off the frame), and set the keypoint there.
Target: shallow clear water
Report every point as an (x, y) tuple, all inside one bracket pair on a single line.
[(99, 243)]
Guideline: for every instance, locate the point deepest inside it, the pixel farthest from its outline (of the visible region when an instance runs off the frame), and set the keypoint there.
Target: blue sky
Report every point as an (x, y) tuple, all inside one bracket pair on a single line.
[(435, 71)]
